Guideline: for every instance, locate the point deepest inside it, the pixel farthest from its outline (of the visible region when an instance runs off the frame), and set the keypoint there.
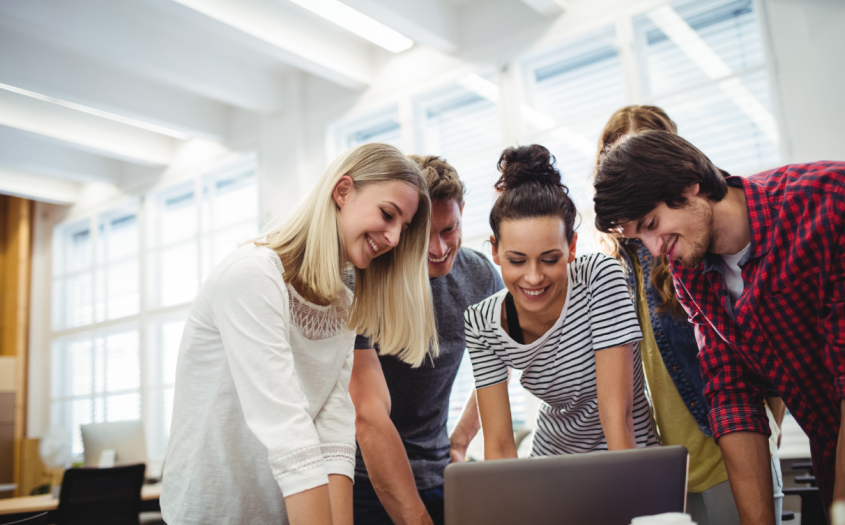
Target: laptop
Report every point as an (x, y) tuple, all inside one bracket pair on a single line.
[(598, 488)]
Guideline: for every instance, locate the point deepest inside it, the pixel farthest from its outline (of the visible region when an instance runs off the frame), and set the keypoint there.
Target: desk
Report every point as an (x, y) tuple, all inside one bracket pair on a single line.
[(27, 504)]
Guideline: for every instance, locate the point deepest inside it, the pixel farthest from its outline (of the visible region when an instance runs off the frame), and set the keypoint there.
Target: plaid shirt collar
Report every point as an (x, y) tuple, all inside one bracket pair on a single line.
[(759, 221)]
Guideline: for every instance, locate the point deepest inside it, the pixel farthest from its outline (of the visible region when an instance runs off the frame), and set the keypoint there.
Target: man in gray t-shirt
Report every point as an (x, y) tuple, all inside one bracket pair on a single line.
[(403, 446)]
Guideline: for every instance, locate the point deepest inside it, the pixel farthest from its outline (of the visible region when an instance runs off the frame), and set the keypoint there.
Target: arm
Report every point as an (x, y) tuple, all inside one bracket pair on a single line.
[(251, 312), (335, 423), (833, 330), (778, 409), (382, 448), (839, 484), (466, 429), (495, 409), (340, 497), (615, 391), (748, 463), (738, 418)]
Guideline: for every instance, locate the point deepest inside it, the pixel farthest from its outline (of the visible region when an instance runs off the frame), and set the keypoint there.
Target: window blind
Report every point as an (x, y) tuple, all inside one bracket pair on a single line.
[(575, 86), (704, 63), (380, 126), (96, 372), (463, 127)]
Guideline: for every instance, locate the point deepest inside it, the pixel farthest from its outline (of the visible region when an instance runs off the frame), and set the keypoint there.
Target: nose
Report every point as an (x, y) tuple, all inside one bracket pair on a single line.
[(533, 276), (392, 235), (436, 246), (654, 244)]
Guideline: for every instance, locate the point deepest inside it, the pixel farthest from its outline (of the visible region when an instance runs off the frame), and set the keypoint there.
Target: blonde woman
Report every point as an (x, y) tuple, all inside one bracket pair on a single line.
[(263, 426)]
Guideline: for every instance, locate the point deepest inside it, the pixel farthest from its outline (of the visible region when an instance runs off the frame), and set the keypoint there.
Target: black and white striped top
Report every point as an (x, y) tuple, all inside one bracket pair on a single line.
[(560, 367)]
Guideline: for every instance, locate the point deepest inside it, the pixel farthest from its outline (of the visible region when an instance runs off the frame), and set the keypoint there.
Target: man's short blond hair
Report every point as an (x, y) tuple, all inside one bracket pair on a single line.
[(441, 177)]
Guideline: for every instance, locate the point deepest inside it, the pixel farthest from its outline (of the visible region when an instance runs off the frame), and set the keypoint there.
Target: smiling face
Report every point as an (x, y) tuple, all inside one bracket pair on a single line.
[(445, 238), (685, 234), (534, 255), (373, 216)]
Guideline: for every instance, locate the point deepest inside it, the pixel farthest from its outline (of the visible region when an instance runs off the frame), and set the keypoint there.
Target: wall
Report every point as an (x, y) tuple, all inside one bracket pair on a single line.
[(807, 43)]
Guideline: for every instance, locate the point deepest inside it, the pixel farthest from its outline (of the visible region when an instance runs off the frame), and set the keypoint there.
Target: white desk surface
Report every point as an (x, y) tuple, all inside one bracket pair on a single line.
[(46, 502)]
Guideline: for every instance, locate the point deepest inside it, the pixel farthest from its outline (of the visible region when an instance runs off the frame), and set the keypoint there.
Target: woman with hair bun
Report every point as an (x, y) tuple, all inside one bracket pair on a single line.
[(566, 322)]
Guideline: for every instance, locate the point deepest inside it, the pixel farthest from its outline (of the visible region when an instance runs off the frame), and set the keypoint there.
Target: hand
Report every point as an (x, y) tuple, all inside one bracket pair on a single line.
[(457, 454)]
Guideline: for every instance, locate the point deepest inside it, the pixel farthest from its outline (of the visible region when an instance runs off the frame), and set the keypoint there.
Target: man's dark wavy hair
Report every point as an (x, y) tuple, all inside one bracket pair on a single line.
[(648, 168)]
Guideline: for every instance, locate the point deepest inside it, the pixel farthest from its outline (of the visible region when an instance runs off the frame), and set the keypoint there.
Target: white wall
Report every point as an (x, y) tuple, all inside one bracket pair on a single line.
[(808, 42)]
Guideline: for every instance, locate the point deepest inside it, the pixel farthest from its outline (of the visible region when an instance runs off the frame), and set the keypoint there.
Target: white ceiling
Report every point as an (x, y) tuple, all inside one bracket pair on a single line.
[(108, 90)]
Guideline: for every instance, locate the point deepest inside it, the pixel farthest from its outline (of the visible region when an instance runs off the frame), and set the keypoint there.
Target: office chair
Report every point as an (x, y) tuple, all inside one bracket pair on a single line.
[(812, 508), (106, 496), (38, 519)]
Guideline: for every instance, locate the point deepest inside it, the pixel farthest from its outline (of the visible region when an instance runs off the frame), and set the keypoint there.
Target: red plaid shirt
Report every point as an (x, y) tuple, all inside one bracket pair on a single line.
[(788, 326)]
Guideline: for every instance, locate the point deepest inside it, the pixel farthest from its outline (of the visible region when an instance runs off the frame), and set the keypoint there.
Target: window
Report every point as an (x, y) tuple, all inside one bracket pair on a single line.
[(114, 352), (571, 91), (381, 126), (461, 124), (703, 61), (704, 64)]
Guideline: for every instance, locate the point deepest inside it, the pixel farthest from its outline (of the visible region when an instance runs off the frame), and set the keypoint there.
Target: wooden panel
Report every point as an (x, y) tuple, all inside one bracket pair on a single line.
[(7, 409), (15, 266), (34, 472)]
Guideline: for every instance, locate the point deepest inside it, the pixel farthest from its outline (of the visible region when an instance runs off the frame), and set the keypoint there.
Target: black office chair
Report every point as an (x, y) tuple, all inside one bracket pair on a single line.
[(106, 496), (812, 508), (38, 519)]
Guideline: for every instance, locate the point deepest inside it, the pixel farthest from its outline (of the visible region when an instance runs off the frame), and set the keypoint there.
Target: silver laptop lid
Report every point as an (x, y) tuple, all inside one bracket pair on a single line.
[(599, 488)]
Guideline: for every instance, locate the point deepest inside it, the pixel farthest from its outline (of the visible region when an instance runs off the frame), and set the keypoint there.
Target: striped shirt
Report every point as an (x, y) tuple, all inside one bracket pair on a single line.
[(559, 367)]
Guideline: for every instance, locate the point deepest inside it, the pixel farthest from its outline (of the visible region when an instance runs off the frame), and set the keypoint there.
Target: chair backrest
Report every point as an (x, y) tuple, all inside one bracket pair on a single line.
[(599, 488), (38, 519), (106, 496)]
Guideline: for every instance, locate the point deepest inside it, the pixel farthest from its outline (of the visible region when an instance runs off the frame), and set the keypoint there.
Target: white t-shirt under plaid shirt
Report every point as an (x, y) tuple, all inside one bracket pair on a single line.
[(560, 367)]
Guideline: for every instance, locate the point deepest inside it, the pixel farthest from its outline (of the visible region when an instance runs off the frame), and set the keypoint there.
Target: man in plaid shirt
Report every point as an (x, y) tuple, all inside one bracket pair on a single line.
[(759, 265)]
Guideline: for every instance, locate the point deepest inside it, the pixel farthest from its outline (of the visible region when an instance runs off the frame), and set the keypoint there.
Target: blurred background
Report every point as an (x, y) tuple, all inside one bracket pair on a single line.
[(141, 140)]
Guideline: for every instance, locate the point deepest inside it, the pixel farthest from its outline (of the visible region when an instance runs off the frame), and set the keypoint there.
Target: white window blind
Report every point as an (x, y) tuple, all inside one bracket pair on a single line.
[(95, 378), (705, 65), (380, 126), (571, 91), (461, 124), (104, 335)]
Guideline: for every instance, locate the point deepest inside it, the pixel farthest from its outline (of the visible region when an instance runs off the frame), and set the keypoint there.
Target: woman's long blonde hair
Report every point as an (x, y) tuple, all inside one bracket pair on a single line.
[(392, 303), (633, 119)]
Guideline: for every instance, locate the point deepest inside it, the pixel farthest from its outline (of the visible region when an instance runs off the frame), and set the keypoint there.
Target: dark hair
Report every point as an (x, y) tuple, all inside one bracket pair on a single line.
[(648, 168), (631, 119), (530, 187), (636, 119), (441, 177)]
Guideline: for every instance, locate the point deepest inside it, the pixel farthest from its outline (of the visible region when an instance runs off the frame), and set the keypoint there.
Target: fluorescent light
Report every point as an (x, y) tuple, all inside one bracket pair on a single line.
[(358, 23), (702, 55), (104, 114)]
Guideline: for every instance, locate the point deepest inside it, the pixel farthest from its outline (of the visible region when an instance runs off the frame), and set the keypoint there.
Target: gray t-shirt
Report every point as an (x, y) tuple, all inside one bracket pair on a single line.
[(420, 396)]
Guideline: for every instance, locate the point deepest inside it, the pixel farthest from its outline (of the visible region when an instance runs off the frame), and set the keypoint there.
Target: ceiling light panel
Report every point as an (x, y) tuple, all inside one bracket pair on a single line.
[(358, 23)]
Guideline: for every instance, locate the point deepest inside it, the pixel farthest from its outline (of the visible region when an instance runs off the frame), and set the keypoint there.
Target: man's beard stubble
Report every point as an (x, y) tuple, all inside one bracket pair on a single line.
[(703, 215)]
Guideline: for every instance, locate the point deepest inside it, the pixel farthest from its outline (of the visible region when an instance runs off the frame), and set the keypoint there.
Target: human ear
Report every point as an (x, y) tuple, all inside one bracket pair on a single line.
[(463, 205), (495, 250), (692, 191), (572, 247), (342, 190)]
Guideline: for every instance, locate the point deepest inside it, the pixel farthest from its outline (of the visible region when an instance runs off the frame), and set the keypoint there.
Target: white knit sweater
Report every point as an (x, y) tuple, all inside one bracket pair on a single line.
[(261, 408)]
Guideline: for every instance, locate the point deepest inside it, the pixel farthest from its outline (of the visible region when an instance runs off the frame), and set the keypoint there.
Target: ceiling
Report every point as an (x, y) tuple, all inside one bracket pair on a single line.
[(110, 90)]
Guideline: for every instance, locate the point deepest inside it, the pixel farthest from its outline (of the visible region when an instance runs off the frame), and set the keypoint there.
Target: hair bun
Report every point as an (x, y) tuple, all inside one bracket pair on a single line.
[(526, 164)]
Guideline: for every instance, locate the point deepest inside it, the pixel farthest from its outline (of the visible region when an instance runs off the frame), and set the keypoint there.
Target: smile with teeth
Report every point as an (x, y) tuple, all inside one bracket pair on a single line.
[(440, 260), (372, 243), (535, 291)]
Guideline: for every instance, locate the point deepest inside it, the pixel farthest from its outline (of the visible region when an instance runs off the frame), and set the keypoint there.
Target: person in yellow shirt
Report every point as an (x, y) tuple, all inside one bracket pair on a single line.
[(670, 356)]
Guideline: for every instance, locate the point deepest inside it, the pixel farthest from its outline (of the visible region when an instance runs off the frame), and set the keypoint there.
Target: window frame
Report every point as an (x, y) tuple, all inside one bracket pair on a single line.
[(148, 314)]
